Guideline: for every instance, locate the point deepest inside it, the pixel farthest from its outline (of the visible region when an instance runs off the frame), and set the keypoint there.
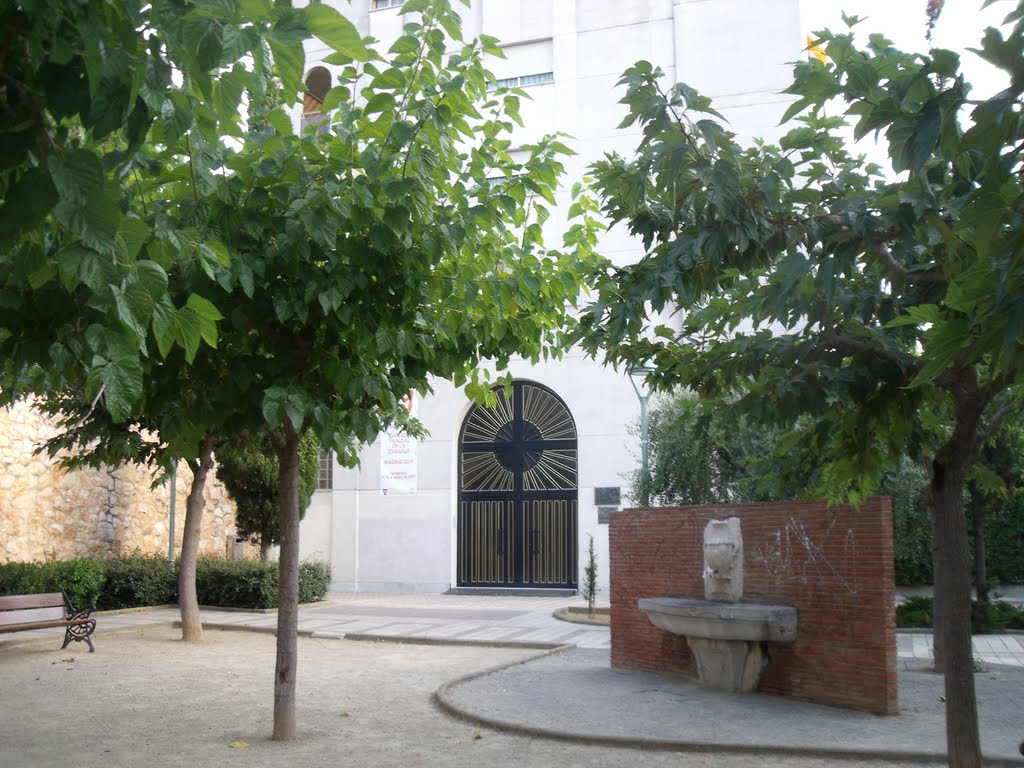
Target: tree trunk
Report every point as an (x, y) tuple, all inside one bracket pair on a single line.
[(939, 593), (188, 602), (265, 546), (978, 528), (286, 445), (953, 622)]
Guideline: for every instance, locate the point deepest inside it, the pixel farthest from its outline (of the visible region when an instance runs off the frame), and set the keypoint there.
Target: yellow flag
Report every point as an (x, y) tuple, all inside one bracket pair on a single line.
[(816, 51)]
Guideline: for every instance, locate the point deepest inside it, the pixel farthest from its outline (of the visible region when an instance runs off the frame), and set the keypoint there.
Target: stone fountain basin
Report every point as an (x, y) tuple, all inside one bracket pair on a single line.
[(721, 621)]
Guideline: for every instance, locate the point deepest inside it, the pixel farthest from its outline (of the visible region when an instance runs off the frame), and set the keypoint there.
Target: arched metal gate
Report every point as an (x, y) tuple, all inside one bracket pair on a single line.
[(518, 492)]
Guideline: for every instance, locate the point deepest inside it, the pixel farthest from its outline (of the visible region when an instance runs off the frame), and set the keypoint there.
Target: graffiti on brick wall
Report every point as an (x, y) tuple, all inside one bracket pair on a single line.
[(792, 555)]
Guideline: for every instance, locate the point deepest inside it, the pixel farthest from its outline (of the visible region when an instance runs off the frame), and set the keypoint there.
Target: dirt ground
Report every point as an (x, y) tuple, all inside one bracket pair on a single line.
[(145, 698)]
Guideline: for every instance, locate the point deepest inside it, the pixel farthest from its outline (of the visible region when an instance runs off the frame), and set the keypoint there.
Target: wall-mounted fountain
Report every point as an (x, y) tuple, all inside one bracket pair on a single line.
[(726, 636)]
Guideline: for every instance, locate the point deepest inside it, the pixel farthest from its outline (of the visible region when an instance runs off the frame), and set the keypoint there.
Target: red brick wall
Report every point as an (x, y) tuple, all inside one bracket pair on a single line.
[(834, 564)]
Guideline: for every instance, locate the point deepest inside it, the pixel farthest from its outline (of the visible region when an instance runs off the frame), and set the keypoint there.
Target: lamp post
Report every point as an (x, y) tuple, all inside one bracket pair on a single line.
[(638, 378)]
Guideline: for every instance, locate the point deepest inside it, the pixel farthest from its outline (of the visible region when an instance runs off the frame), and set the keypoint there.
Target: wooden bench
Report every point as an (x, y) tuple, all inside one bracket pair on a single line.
[(53, 609)]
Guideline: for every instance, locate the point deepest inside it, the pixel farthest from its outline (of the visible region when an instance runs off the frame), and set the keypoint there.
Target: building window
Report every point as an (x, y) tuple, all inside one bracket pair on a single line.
[(524, 80), (378, 4), (325, 481)]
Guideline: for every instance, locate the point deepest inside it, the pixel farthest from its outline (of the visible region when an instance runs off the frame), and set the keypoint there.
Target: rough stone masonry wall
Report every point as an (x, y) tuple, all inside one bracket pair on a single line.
[(834, 564), (48, 513)]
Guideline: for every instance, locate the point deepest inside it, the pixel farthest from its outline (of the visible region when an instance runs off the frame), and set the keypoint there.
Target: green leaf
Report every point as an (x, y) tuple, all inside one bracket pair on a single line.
[(289, 61), (941, 346), (96, 220), (132, 235), (77, 175), (121, 380), (208, 316), (152, 277), (337, 31), (78, 264), (164, 325), (926, 134), (26, 204), (922, 314), (188, 332), (280, 121)]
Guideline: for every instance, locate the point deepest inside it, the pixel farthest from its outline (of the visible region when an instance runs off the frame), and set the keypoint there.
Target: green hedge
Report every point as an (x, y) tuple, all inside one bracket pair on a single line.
[(82, 579), (917, 612), (138, 581)]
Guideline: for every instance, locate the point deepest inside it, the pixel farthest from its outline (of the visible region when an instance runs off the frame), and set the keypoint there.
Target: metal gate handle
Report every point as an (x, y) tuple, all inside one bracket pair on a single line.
[(535, 543), (500, 551)]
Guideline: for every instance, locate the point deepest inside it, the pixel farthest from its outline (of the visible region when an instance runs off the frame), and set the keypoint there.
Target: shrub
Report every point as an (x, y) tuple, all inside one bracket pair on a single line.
[(314, 580), (992, 616), (82, 579), (236, 584), (253, 583), (915, 613), (138, 581), (22, 579)]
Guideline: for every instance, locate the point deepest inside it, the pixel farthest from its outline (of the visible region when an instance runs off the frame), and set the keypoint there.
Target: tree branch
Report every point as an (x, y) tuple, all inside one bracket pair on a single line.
[(996, 422), (932, 276)]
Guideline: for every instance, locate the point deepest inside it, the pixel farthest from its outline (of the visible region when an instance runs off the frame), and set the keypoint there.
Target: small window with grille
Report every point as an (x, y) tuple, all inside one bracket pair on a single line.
[(326, 479), (524, 80), (378, 4)]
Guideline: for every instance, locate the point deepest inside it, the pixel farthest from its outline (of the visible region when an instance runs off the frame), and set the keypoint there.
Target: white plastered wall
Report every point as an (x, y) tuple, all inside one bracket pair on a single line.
[(733, 50)]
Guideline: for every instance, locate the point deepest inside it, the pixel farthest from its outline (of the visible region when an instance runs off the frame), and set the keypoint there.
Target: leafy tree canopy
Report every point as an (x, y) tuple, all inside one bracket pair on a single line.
[(874, 313), (237, 274)]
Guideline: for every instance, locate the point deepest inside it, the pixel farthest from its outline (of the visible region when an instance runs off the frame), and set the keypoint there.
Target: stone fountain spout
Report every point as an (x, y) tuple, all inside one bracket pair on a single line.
[(726, 636), (723, 561)]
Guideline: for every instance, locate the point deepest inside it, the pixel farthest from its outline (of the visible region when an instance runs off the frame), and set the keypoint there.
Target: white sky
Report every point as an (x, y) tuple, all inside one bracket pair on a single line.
[(903, 21)]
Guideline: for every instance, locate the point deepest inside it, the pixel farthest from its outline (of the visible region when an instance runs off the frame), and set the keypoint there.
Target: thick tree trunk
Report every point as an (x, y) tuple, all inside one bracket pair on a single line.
[(191, 623), (287, 449), (953, 623), (978, 528)]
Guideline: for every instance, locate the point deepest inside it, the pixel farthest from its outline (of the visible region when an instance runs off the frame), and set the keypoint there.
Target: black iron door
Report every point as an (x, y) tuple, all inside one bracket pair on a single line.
[(518, 492)]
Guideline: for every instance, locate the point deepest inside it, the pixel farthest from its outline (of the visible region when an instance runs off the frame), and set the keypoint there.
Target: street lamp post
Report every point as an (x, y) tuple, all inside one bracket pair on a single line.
[(638, 378)]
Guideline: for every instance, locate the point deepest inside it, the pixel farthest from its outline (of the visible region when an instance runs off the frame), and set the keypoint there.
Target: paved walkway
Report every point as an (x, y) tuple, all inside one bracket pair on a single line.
[(507, 621), (543, 695)]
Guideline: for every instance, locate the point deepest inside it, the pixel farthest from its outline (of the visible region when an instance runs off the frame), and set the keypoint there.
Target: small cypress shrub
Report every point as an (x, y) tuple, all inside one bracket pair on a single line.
[(590, 578)]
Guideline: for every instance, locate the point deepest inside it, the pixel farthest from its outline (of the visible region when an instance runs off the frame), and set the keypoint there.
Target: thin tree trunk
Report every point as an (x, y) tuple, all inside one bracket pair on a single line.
[(265, 546), (939, 594), (287, 448), (978, 529), (188, 602), (953, 625)]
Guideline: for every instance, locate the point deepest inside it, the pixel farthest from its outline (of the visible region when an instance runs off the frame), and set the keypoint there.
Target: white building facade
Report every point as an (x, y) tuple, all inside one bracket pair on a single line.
[(508, 498)]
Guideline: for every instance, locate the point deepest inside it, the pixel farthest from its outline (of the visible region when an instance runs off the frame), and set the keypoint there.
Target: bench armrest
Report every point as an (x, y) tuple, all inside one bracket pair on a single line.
[(83, 614)]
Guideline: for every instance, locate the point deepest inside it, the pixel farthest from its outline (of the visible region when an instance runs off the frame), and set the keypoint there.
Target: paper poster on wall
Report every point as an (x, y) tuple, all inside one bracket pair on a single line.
[(398, 457)]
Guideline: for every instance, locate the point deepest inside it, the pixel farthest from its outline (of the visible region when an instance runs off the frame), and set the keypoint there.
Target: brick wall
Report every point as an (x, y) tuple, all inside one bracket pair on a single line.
[(834, 564)]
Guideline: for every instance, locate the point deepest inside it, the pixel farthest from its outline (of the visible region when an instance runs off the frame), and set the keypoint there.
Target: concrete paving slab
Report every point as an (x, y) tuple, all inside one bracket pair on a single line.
[(542, 697)]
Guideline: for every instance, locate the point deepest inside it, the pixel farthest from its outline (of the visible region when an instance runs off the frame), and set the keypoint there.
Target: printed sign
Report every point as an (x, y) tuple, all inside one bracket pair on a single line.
[(398, 457)]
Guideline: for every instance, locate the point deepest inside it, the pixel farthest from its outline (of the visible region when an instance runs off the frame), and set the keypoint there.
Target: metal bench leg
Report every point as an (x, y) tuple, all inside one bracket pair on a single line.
[(80, 632)]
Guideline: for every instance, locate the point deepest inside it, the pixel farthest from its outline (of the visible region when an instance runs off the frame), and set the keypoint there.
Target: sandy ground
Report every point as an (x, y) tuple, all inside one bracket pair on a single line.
[(145, 698)]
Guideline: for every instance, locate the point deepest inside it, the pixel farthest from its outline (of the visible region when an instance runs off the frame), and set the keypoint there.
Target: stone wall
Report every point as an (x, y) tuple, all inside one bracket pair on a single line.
[(49, 513), (835, 564)]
